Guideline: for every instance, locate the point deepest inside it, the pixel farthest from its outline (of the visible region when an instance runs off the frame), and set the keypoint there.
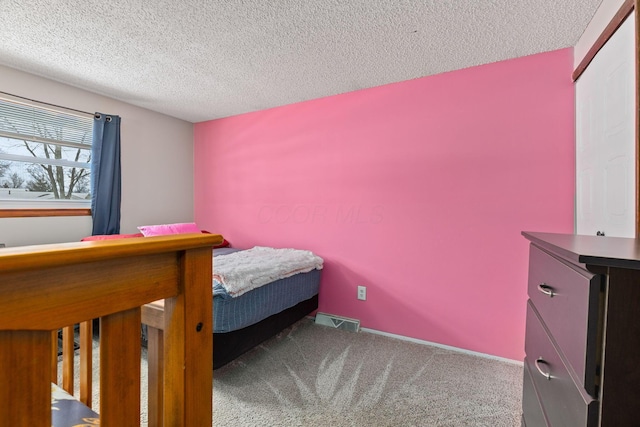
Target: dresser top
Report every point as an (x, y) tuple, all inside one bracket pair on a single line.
[(591, 250)]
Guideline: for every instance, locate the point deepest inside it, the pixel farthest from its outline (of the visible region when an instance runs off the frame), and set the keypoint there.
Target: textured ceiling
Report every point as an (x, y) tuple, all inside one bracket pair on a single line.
[(199, 60)]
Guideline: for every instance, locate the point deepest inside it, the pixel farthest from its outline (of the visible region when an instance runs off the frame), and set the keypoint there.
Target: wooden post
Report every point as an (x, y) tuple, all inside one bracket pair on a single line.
[(188, 343), (25, 367)]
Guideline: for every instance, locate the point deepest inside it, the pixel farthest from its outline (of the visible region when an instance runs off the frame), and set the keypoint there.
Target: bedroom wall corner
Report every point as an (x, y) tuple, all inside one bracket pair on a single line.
[(418, 190), (605, 12)]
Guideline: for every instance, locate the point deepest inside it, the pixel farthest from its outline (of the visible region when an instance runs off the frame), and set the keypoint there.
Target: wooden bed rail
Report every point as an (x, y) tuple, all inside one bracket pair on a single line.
[(45, 288)]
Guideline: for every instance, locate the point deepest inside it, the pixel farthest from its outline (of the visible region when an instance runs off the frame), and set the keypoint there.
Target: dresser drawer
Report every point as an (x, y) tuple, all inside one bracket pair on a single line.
[(567, 298), (563, 402), (532, 414)]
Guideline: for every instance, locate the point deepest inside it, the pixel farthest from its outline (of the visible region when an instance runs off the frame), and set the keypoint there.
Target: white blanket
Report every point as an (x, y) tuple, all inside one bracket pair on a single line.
[(242, 271)]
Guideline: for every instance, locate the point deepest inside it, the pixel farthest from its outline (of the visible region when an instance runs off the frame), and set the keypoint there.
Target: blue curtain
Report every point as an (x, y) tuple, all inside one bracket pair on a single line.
[(105, 174)]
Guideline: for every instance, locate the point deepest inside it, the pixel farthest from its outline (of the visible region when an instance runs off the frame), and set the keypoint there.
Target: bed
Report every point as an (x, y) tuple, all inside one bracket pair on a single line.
[(241, 323)]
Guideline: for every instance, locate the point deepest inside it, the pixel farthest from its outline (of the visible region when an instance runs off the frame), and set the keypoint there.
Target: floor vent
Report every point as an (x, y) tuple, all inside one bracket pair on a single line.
[(337, 322)]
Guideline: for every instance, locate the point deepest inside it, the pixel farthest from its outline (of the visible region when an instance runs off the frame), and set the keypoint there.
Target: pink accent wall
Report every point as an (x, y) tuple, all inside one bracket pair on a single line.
[(418, 190)]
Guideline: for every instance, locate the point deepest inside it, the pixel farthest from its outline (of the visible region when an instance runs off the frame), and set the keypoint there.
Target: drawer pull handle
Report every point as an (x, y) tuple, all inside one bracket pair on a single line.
[(541, 361), (546, 289)]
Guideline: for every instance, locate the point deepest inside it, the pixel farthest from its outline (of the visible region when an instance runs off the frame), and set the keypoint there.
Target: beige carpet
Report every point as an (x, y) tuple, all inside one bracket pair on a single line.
[(311, 375)]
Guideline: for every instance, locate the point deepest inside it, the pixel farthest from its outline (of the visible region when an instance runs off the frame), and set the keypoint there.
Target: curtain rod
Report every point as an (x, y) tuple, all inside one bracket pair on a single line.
[(46, 103)]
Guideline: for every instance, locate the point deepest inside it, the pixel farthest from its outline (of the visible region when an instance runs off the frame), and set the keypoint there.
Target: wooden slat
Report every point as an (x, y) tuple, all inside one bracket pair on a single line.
[(155, 364), (86, 362), (153, 317), (119, 364), (25, 367), (188, 336), (67, 359), (54, 357)]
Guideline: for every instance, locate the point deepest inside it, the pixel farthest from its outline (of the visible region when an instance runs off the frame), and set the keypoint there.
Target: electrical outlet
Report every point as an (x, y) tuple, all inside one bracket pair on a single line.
[(362, 293)]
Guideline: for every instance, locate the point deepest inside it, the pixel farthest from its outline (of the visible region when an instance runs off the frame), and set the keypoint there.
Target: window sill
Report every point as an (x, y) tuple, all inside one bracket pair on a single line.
[(24, 213)]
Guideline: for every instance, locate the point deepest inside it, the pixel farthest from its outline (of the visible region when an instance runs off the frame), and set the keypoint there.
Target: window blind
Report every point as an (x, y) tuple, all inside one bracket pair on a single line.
[(45, 151), (24, 122)]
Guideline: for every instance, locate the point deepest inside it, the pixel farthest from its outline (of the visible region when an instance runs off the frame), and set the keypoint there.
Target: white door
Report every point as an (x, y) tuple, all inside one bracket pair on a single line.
[(605, 139)]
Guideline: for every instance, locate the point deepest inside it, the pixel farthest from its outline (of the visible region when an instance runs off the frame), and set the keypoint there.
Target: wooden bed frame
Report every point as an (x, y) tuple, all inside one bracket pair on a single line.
[(45, 288)]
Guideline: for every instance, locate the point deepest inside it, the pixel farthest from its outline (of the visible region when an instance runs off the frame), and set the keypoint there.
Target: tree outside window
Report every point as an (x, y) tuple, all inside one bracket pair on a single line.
[(44, 153)]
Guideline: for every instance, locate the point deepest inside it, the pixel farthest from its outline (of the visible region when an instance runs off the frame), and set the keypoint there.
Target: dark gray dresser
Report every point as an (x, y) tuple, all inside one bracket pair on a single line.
[(582, 344)]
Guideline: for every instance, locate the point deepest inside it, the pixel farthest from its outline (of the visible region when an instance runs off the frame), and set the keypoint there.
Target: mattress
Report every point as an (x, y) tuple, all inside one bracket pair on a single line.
[(230, 314)]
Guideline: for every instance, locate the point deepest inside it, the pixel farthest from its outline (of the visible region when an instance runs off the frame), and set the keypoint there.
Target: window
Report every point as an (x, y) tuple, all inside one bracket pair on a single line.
[(44, 156)]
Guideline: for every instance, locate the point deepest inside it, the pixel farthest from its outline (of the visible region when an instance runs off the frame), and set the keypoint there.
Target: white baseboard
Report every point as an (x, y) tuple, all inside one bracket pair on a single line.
[(435, 344), (446, 347)]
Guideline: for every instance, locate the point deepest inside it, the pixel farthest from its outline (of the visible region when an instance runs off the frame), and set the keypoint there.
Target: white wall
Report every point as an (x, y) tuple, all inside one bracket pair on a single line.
[(157, 164), (606, 11)]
